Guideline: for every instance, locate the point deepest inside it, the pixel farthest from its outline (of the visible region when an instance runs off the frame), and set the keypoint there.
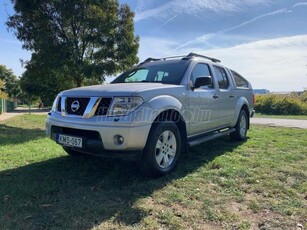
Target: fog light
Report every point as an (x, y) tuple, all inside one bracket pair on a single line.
[(118, 140)]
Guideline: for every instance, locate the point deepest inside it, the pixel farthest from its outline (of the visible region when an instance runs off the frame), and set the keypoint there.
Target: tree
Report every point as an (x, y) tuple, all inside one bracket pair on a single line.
[(10, 83), (78, 39), (46, 87), (2, 90)]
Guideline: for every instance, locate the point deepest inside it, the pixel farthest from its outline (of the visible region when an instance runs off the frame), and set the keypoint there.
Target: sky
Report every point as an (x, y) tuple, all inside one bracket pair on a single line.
[(263, 40)]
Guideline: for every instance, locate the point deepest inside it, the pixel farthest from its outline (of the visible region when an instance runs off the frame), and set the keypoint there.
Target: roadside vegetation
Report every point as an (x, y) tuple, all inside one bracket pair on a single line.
[(290, 104), (295, 117), (258, 184)]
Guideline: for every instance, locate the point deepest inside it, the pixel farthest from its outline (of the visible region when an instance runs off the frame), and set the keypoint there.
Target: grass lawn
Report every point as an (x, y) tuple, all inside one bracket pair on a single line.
[(296, 117), (257, 184)]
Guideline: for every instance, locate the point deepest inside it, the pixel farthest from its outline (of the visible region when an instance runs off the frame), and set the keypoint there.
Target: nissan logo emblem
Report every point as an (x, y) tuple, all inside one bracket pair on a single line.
[(75, 106)]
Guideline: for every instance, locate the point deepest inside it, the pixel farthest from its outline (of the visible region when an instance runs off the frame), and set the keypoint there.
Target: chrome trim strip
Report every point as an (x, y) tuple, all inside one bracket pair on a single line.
[(63, 103), (91, 107)]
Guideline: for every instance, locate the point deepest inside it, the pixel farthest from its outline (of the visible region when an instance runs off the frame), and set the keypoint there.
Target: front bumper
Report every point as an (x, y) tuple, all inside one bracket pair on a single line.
[(99, 135)]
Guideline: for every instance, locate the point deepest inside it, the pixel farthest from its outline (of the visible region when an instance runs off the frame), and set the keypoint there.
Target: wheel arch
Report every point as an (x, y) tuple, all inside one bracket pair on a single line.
[(242, 103), (175, 116), (245, 108)]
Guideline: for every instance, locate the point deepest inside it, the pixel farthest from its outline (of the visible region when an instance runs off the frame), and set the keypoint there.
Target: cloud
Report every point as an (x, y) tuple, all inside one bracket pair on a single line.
[(207, 37), (155, 47), (194, 7), (167, 21), (275, 64), (299, 4), (141, 15)]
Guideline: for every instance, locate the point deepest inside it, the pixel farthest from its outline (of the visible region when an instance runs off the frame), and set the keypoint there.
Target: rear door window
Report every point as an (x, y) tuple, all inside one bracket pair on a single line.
[(221, 77)]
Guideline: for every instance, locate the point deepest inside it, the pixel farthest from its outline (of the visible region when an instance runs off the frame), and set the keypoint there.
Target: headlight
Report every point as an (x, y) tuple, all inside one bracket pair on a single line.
[(55, 104), (124, 105)]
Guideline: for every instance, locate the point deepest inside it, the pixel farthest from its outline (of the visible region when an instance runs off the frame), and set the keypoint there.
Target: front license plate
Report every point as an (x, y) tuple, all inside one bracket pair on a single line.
[(69, 140)]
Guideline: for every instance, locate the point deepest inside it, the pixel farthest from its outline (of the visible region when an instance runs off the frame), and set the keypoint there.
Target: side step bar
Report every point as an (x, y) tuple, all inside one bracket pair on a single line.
[(210, 137)]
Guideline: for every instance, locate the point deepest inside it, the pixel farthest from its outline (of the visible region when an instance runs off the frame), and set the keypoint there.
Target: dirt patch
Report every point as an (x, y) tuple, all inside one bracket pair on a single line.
[(264, 219)]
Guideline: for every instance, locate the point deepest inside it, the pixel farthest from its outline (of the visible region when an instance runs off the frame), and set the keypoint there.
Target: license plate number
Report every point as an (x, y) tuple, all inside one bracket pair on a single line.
[(69, 140)]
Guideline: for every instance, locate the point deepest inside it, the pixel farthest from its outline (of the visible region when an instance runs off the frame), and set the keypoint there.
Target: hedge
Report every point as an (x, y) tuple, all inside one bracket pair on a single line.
[(281, 104), (7, 106)]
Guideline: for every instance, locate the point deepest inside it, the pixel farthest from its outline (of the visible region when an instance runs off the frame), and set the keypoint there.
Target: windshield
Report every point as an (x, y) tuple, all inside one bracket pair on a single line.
[(166, 72)]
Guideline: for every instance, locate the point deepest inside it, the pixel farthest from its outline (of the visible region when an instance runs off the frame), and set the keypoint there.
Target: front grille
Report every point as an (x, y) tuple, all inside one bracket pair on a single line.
[(103, 107), (79, 111)]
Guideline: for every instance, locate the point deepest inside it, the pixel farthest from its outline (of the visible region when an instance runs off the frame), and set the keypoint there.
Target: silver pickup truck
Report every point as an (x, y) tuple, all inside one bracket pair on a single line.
[(154, 112)]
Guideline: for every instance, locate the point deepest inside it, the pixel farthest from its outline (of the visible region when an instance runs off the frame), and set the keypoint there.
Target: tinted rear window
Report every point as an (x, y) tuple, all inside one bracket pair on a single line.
[(239, 80)]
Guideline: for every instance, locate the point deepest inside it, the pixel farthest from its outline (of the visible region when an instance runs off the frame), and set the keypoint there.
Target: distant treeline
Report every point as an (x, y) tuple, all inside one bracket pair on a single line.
[(276, 104)]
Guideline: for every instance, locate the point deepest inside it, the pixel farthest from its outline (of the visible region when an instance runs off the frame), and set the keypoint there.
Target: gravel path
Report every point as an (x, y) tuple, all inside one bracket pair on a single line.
[(280, 122)]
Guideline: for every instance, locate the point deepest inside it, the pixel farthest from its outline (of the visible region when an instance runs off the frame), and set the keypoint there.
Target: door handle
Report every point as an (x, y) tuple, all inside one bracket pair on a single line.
[(231, 96), (215, 96)]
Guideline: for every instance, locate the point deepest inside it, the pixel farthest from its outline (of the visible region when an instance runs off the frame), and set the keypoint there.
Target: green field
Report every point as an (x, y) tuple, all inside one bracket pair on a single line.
[(257, 184)]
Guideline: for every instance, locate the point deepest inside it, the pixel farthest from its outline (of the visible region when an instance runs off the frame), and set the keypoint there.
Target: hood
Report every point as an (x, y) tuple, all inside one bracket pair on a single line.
[(110, 90)]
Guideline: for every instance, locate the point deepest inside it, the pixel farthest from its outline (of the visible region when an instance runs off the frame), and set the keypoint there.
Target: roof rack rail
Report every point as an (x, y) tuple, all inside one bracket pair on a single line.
[(199, 55), (178, 56), (190, 55), (149, 60), (159, 59)]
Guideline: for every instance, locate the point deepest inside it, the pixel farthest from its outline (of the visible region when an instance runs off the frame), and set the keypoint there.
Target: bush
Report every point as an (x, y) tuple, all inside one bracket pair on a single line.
[(281, 104), (303, 97), (3, 95)]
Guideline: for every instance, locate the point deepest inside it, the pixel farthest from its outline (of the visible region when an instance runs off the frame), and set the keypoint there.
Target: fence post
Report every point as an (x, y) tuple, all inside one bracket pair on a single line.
[(1, 106), (7, 106), (4, 106)]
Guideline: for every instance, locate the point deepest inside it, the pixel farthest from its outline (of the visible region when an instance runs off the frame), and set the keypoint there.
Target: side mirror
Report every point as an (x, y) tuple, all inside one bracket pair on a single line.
[(202, 81)]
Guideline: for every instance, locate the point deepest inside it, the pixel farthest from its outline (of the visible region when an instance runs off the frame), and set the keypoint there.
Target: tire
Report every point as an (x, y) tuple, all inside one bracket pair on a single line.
[(241, 127), (71, 152), (162, 150)]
